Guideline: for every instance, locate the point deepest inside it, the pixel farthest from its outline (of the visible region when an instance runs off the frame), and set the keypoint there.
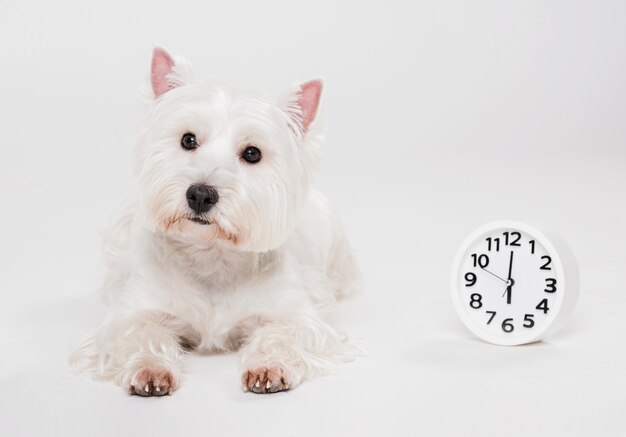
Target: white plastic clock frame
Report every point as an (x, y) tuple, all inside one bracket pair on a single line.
[(567, 270)]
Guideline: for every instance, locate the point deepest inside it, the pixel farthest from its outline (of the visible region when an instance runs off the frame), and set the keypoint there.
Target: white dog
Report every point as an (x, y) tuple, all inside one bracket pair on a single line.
[(225, 245)]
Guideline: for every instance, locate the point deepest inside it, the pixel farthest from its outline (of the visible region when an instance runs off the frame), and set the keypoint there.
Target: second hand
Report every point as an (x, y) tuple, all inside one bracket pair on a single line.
[(493, 274)]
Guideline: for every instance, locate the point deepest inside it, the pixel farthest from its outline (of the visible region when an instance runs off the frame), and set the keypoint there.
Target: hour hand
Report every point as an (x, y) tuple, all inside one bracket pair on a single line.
[(508, 290)]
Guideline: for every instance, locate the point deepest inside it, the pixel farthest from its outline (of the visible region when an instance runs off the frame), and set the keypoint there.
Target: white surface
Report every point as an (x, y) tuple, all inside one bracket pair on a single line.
[(441, 116)]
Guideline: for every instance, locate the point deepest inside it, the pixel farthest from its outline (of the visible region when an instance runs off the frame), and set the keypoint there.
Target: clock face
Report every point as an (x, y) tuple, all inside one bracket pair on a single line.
[(507, 284)]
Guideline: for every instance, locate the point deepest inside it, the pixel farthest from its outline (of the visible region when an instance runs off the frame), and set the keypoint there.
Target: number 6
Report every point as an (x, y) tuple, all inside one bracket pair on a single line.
[(507, 326)]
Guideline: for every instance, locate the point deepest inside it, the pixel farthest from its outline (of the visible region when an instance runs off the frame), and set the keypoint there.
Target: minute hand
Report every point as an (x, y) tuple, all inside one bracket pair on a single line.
[(510, 282)]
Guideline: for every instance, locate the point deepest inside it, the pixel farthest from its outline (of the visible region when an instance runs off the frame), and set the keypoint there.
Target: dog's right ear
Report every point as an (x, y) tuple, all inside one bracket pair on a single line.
[(167, 73), (162, 66)]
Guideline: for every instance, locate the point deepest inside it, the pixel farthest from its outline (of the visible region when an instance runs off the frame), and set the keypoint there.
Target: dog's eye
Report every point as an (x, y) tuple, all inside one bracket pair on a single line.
[(251, 154), (188, 141)]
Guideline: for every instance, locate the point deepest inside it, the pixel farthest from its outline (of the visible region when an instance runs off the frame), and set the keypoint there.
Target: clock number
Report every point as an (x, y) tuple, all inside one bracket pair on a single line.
[(513, 242), (529, 318), (471, 279), (476, 301), (532, 247), (481, 261), (546, 266), (543, 305), (507, 326), (551, 285), (493, 314), (496, 242)]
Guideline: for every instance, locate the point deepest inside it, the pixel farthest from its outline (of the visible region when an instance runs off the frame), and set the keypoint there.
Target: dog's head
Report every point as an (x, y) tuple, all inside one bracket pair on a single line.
[(221, 164)]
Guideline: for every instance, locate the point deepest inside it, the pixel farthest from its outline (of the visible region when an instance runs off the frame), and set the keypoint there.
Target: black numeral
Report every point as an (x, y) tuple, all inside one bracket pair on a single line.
[(546, 266), (481, 261), (529, 318), (476, 301), (550, 285), (543, 305), (532, 247), (507, 326), (471, 279), (496, 243), (514, 240), (493, 314)]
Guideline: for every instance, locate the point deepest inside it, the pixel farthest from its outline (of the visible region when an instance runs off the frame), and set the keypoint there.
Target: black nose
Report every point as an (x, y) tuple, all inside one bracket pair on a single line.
[(201, 197)]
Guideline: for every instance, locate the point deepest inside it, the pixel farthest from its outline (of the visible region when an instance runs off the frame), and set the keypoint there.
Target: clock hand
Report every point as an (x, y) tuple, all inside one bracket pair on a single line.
[(510, 282), (493, 274), (509, 286)]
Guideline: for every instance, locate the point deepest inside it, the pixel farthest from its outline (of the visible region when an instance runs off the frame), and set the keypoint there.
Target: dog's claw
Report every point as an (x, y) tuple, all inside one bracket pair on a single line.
[(150, 382), (264, 380)]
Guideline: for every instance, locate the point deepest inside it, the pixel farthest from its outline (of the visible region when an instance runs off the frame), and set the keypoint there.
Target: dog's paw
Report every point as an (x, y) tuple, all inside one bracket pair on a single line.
[(265, 380), (152, 382)]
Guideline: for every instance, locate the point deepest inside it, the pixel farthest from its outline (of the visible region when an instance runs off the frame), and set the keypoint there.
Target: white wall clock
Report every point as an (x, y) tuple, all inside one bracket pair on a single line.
[(513, 284)]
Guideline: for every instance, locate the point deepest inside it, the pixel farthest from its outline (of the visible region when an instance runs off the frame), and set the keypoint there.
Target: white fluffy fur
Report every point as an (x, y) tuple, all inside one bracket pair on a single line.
[(261, 278)]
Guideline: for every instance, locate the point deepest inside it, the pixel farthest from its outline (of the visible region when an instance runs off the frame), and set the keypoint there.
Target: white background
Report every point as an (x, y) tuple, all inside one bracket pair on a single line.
[(441, 116)]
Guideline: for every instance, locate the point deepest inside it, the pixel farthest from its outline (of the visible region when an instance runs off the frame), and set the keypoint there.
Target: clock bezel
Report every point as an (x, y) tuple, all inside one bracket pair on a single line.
[(561, 307)]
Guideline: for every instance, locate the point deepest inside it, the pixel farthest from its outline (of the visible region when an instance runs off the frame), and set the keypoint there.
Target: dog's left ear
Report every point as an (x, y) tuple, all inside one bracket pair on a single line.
[(167, 73), (302, 104), (309, 101)]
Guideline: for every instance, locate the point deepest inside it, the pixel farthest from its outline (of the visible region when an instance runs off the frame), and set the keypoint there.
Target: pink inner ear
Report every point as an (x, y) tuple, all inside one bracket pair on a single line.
[(309, 101), (162, 64)]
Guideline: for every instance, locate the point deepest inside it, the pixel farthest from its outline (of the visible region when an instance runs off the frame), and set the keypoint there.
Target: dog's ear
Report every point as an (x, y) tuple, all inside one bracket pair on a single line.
[(167, 73), (162, 66), (301, 103), (308, 101)]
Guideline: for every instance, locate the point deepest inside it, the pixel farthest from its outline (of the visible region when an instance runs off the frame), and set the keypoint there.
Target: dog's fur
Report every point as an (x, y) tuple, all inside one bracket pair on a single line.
[(261, 277)]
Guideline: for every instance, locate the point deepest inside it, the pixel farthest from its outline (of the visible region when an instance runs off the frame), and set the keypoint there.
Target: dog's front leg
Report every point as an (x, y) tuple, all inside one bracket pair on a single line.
[(137, 349), (279, 354)]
